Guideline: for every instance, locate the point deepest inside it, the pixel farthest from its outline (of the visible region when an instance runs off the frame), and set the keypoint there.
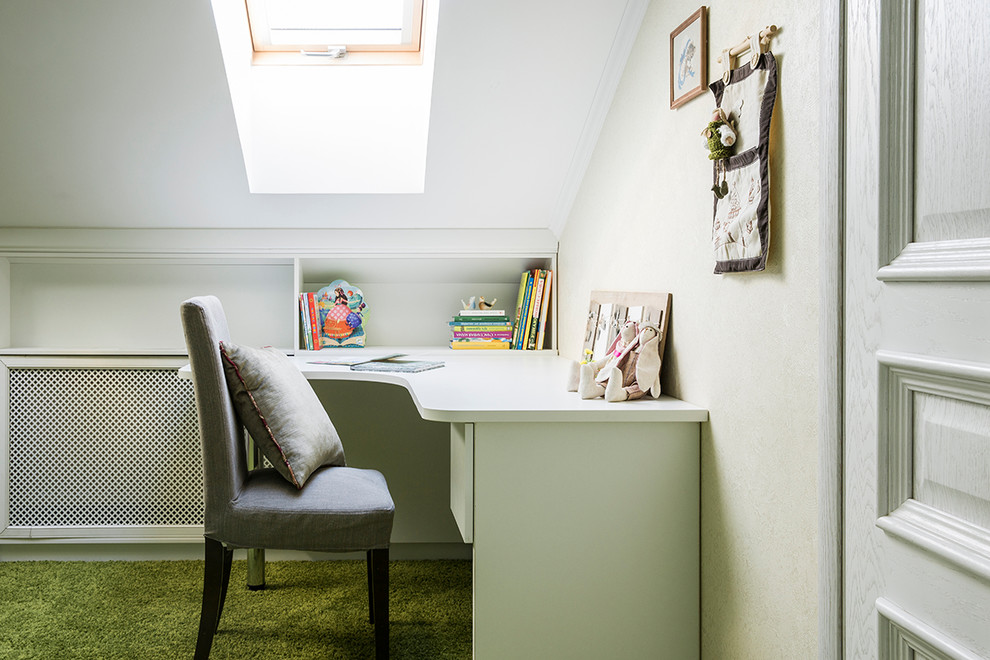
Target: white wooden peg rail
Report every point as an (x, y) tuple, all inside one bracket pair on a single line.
[(756, 43)]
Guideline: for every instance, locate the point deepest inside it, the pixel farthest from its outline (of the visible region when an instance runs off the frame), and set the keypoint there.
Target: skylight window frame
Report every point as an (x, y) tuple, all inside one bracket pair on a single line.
[(357, 53)]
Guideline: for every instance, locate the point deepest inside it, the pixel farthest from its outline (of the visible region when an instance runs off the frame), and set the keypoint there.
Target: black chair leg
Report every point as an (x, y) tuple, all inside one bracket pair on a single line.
[(371, 588), (228, 559), (378, 567), (216, 574)]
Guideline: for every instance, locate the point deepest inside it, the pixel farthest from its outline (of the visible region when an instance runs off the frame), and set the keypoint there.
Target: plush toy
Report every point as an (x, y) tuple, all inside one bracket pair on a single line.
[(587, 383), (719, 135), (638, 373)]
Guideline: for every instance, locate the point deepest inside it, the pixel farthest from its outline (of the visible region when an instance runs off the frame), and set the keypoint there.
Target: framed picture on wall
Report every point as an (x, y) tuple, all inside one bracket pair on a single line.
[(689, 58)]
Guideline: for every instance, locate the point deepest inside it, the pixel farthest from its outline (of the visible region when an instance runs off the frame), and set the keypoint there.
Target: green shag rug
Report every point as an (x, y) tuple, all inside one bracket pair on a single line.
[(150, 609)]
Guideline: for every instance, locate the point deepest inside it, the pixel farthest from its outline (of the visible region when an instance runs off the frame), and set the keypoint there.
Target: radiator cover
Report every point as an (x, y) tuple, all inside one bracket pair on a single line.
[(102, 447)]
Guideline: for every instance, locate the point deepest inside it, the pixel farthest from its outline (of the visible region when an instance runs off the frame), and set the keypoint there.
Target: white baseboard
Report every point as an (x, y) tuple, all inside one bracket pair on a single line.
[(33, 551)]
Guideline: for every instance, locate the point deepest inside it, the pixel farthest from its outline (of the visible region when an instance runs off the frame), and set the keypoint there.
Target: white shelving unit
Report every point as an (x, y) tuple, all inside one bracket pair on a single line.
[(411, 299), (107, 301), (119, 290)]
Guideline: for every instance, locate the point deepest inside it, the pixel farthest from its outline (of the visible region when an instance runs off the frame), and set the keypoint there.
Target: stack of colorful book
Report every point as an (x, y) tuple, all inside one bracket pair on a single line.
[(532, 310), (480, 329)]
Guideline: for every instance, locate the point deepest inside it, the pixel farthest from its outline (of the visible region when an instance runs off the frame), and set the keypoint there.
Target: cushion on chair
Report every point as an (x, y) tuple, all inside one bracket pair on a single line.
[(281, 411), (341, 509)]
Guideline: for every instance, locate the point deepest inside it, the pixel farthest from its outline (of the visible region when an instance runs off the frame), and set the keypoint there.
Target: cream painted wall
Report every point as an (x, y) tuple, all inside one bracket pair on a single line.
[(743, 345), (4, 302)]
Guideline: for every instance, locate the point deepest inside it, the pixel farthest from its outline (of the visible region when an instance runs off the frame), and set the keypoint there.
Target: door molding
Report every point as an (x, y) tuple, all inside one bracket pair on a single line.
[(948, 535), (831, 313), (901, 257), (902, 634), (896, 166)]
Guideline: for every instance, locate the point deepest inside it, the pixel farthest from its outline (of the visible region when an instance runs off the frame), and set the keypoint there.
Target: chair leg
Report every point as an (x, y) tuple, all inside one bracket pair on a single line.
[(216, 573), (378, 570), (228, 559), (256, 568), (371, 589)]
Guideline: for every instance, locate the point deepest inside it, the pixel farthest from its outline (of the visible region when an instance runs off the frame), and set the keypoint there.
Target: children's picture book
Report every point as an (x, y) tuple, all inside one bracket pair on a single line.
[(341, 311)]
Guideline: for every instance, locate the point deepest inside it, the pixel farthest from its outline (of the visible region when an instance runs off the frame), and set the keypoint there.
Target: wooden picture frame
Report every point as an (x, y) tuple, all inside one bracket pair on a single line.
[(689, 58)]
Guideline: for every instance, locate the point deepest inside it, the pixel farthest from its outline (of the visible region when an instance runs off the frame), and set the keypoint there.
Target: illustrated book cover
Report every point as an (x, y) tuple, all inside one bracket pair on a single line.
[(341, 312)]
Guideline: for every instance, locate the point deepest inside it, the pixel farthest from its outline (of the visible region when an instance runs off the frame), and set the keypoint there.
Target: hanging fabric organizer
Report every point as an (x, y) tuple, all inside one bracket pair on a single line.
[(741, 190)]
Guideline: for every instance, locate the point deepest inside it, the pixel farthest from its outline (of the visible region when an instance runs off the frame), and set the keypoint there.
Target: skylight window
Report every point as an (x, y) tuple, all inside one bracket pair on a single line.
[(314, 26)]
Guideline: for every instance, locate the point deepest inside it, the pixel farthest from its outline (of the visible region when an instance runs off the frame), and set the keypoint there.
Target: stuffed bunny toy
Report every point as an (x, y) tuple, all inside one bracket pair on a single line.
[(584, 376), (638, 373)]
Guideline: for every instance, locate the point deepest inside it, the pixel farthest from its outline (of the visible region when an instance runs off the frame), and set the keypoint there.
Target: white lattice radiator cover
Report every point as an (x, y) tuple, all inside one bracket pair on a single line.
[(99, 447)]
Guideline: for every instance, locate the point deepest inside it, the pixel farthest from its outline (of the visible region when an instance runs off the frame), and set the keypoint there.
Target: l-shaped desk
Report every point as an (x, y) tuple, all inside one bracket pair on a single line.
[(583, 515)]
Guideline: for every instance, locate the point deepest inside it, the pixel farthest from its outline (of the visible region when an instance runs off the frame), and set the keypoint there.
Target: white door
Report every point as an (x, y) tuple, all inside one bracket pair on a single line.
[(916, 485)]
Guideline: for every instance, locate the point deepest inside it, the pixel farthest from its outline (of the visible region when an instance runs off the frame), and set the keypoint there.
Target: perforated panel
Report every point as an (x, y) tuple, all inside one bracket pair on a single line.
[(103, 447)]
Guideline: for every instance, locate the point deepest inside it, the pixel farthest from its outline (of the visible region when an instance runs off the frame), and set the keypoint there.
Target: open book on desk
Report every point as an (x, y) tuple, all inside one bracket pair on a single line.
[(403, 366), (386, 362), (353, 360)]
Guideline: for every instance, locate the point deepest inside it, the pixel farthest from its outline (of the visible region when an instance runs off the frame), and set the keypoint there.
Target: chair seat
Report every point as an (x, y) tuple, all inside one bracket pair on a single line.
[(340, 509)]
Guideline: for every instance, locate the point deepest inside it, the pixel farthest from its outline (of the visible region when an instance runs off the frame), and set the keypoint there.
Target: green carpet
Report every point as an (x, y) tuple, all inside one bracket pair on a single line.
[(150, 610)]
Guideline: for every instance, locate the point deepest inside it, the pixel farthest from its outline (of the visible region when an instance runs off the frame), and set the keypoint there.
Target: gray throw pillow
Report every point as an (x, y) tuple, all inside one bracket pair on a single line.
[(281, 411)]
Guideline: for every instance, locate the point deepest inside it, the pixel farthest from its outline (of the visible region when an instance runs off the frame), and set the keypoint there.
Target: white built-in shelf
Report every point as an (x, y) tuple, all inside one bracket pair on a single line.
[(118, 291)]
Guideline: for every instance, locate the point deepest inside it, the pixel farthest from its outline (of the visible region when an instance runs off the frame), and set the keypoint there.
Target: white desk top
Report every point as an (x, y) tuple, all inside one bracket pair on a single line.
[(495, 386)]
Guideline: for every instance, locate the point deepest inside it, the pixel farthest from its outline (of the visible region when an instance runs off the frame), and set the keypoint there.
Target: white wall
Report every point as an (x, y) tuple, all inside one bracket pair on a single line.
[(117, 114), (4, 302), (742, 345)]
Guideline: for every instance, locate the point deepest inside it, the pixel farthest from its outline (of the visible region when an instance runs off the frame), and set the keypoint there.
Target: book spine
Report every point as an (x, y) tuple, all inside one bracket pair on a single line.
[(478, 324), (479, 319), (519, 302), (524, 335), (314, 320), (482, 328), (482, 335), (482, 345), (537, 306), (517, 340), (481, 312), (540, 343), (304, 318)]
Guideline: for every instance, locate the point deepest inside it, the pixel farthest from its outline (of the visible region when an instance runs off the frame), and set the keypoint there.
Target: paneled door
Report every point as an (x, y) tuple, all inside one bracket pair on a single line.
[(916, 465)]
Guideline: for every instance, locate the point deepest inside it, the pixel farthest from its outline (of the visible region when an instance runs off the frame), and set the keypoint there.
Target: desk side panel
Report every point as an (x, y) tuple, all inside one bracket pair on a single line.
[(381, 429), (462, 478), (586, 540)]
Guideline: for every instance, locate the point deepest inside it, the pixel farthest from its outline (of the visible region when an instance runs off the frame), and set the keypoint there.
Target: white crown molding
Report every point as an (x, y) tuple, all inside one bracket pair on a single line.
[(625, 37), (272, 243)]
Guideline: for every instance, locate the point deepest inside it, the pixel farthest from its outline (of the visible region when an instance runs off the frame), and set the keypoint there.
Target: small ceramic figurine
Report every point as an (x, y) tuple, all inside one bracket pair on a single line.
[(484, 304)]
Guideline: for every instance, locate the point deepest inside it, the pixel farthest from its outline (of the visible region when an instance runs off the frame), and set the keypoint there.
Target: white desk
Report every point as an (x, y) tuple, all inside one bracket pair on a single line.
[(584, 515)]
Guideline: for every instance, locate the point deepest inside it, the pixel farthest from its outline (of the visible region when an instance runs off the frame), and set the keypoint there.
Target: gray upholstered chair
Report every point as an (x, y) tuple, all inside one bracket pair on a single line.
[(339, 509)]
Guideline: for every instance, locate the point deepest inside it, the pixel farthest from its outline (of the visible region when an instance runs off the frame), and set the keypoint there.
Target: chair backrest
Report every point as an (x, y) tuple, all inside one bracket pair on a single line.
[(224, 459)]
